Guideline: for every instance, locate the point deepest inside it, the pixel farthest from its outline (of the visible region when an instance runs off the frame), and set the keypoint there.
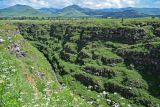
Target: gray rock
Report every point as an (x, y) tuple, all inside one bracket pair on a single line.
[(2, 40)]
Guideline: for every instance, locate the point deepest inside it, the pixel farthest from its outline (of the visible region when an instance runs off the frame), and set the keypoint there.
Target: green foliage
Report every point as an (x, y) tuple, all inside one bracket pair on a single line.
[(93, 71), (29, 80)]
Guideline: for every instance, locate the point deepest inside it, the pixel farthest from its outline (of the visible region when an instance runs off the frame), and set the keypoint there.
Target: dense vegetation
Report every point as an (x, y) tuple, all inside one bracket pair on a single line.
[(108, 63), (26, 77), (85, 62)]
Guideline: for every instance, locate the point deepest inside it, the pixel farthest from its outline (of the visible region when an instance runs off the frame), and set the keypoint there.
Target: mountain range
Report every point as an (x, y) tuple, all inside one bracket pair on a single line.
[(76, 11)]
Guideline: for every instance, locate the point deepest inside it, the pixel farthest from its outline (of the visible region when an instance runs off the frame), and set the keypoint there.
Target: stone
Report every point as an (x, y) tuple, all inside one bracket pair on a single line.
[(16, 49), (2, 40)]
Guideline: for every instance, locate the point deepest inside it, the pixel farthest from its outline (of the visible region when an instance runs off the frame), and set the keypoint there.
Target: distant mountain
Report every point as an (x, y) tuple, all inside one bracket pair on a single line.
[(148, 11), (72, 11), (48, 10), (114, 9), (21, 10), (125, 14), (76, 11)]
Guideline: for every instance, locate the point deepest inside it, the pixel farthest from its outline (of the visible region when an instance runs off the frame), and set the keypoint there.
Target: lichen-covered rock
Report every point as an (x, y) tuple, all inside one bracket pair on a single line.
[(16, 49), (138, 96), (113, 61), (148, 61), (138, 83), (88, 81), (104, 72), (126, 92), (122, 35)]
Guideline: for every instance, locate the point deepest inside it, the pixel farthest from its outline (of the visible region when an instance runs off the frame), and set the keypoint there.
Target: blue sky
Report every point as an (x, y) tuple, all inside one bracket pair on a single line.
[(83, 3)]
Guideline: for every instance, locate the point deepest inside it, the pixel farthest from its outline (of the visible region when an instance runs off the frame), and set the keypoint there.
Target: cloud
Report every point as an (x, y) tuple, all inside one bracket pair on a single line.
[(83, 3), (33, 3), (109, 3)]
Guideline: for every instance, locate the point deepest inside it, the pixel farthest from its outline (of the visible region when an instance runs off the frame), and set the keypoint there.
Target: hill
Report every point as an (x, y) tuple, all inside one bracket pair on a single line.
[(21, 10), (75, 11), (125, 14), (147, 11), (72, 11)]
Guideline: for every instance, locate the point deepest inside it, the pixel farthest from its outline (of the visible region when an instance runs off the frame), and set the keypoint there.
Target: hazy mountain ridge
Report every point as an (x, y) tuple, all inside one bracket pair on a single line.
[(77, 11), (21, 10)]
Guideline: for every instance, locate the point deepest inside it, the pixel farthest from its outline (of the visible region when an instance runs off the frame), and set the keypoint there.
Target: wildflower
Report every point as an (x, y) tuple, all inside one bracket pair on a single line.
[(105, 93), (91, 102), (128, 105), (122, 98), (13, 70), (108, 100), (115, 93), (116, 105), (2, 40), (89, 87), (32, 67), (98, 96)]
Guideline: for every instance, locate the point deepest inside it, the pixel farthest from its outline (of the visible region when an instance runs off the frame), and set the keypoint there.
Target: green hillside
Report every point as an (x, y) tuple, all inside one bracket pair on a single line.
[(21, 10), (26, 77), (75, 11), (80, 63), (72, 11), (107, 62)]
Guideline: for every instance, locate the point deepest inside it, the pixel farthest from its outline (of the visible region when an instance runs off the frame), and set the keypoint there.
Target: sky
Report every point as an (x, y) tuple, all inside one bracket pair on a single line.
[(83, 3)]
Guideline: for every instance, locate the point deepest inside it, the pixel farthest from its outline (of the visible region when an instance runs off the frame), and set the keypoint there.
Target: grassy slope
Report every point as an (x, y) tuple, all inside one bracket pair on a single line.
[(20, 84), (121, 70)]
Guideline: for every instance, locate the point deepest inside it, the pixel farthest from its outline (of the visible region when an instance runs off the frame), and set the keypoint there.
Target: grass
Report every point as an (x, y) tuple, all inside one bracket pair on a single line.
[(93, 22), (21, 83), (123, 84)]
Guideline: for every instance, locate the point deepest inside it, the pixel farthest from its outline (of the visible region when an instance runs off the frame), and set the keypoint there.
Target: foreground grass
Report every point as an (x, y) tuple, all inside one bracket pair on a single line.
[(29, 81)]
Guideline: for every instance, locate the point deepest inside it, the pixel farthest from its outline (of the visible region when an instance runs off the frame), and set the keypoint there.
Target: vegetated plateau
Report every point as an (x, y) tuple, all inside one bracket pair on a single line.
[(80, 63)]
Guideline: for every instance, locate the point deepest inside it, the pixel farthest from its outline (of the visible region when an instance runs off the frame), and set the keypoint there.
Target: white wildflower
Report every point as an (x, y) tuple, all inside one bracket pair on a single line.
[(115, 93), (116, 105), (128, 105), (108, 100)]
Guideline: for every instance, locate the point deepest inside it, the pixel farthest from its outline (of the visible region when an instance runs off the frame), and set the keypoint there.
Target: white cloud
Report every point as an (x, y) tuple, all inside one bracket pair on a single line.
[(33, 3), (109, 3), (83, 3)]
